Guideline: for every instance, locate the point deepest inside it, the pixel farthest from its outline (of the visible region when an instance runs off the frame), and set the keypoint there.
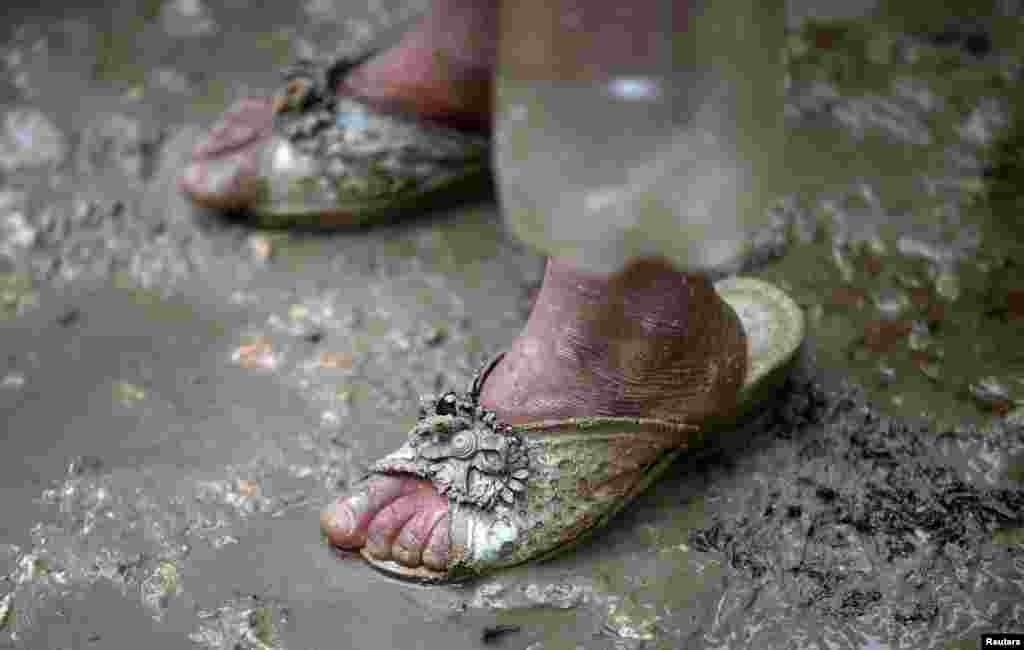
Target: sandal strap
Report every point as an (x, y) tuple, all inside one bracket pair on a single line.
[(344, 151), (476, 460), (476, 386), (341, 66), (319, 80)]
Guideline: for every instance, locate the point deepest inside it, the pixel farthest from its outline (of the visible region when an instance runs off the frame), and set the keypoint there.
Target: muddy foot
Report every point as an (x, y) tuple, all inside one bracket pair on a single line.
[(441, 71), (647, 342)]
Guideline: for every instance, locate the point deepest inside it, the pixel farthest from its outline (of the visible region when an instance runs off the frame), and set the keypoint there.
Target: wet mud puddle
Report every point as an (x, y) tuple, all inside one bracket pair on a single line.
[(182, 393)]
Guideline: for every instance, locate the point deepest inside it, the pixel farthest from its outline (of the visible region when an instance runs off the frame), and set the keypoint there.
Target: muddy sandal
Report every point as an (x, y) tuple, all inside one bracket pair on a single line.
[(529, 492), (335, 161)]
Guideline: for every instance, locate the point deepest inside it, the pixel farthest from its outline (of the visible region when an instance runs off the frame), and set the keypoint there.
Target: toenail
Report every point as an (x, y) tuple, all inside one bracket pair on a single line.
[(240, 133), (402, 554), (219, 128), (193, 176), (340, 519), (221, 174), (377, 550), (430, 559), (250, 104)]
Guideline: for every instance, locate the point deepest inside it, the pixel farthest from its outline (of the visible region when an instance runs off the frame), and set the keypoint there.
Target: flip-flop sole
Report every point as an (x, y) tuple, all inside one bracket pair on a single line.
[(342, 151), (472, 184), (774, 327)]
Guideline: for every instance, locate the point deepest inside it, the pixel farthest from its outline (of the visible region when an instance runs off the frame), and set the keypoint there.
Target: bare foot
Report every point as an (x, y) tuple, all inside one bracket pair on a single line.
[(648, 341), (441, 70)]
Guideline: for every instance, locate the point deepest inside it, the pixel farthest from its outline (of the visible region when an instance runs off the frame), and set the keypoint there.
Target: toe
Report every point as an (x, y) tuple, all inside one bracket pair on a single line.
[(228, 181), (246, 121), (389, 522), (346, 522), (408, 547), (223, 169), (435, 553)]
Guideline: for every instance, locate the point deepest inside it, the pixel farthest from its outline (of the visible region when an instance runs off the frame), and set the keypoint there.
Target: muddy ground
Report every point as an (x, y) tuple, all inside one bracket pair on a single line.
[(180, 394)]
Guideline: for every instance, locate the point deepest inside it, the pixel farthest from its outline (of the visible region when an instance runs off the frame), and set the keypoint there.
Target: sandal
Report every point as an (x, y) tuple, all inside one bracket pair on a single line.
[(336, 161), (530, 492)]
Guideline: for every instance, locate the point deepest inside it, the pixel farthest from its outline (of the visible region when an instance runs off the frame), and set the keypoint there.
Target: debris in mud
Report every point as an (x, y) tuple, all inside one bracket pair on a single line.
[(809, 98), (629, 619), (334, 360), (243, 496), (247, 487), (247, 623), (991, 395), (256, 355), (69, 317), (12, 380), (492, 633), (186, 18), (1013, 304), (917, 91), (29, 139), (159, 587), (82, 236), (314, 337), (16, 232), (883, 334), (128, 393), (947, 284), (13, 204), (805, 404), (898, 119), (769, 243), (928, 248), (486, 596), (1015, 420), (170, 80), (874, 524), (559, 595), (891, 302), (985, 121), (117, 142), (63, 556), (321, 11), (435, 335), (971, 38), (261, 248), (6, 610), (886, 375), (16, 294), (85, 466), (844, 296)]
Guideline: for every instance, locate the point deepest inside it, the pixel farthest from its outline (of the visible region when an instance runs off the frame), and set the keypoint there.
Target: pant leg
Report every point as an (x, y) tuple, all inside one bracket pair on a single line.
[(652, 129)]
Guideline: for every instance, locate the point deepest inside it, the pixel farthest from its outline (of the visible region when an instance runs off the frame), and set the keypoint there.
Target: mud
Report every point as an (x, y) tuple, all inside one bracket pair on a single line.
[(181, 393), (880, 531)]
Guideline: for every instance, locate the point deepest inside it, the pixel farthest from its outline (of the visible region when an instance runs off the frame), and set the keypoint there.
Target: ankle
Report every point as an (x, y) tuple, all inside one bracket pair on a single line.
[(647, 297), (465, 32), (426, 84), (648, 341), (442, 69)]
